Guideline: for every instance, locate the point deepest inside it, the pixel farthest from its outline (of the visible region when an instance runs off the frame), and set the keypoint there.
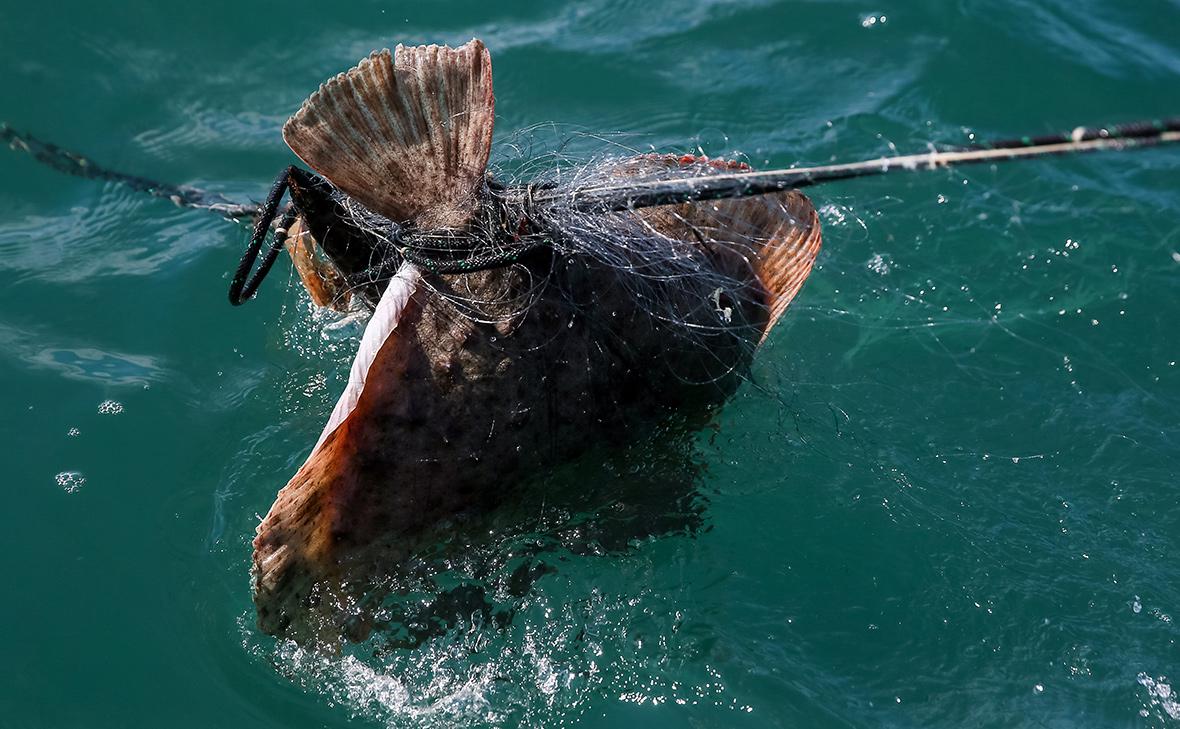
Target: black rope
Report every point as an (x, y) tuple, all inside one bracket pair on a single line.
[(629, 196), (479, 255), (242, 289), (452, 252), (1133, 130), (72, 163), (436, 251)]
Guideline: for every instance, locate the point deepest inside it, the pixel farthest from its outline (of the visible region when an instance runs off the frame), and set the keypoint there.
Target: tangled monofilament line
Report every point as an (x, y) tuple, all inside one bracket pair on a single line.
[(591, 212), (661, 272)]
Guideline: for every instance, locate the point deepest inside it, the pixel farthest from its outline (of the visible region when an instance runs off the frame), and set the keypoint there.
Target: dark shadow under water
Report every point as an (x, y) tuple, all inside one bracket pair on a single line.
[(477, 567)]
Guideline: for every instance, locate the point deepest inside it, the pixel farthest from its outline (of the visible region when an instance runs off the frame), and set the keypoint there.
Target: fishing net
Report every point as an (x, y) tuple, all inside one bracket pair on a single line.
[(689, 266)]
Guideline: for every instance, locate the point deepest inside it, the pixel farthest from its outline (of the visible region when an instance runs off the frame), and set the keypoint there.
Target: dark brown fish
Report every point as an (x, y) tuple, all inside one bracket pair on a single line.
[(445, 412)]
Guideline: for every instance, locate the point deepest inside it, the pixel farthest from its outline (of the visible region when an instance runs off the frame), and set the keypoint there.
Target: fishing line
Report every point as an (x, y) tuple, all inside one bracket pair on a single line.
[(580, 209), (632, 195)]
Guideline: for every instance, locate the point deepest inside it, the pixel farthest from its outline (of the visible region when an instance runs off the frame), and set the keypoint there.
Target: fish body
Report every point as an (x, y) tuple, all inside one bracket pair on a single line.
[(467, 383)]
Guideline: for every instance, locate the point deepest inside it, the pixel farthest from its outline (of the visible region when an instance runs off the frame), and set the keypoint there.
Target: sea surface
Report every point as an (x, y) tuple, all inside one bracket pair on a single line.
[(950, 495)]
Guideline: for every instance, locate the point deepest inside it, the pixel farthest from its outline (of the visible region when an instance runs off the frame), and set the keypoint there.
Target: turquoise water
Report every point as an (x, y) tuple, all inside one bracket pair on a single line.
[(951, 499)]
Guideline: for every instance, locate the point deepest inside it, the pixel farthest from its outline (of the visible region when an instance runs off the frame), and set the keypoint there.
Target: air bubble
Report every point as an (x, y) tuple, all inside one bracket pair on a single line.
[(879, 264), (70, 481), (110, 407)]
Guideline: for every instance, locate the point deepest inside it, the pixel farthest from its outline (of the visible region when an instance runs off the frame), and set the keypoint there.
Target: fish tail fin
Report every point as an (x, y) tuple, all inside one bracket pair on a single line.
[(407, 135)]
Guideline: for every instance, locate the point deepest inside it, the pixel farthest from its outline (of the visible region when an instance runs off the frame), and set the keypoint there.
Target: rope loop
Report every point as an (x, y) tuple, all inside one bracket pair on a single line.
[(242, 289)]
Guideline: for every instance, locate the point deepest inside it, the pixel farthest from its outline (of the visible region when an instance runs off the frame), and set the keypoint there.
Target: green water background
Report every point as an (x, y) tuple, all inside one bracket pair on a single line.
[(953, 502)]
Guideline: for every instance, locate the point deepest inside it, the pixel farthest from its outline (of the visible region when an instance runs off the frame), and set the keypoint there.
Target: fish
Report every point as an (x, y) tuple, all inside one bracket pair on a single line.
[(466, 384)]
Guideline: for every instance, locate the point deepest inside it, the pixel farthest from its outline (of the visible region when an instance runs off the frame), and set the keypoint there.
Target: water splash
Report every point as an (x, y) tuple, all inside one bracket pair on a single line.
[(1159, 696)]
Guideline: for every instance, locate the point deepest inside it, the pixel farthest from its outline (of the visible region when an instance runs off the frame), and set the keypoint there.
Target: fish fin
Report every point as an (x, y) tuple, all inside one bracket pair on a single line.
[(319, 275), (792, 242), (292, 543), (777, 234), (407, 135)]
